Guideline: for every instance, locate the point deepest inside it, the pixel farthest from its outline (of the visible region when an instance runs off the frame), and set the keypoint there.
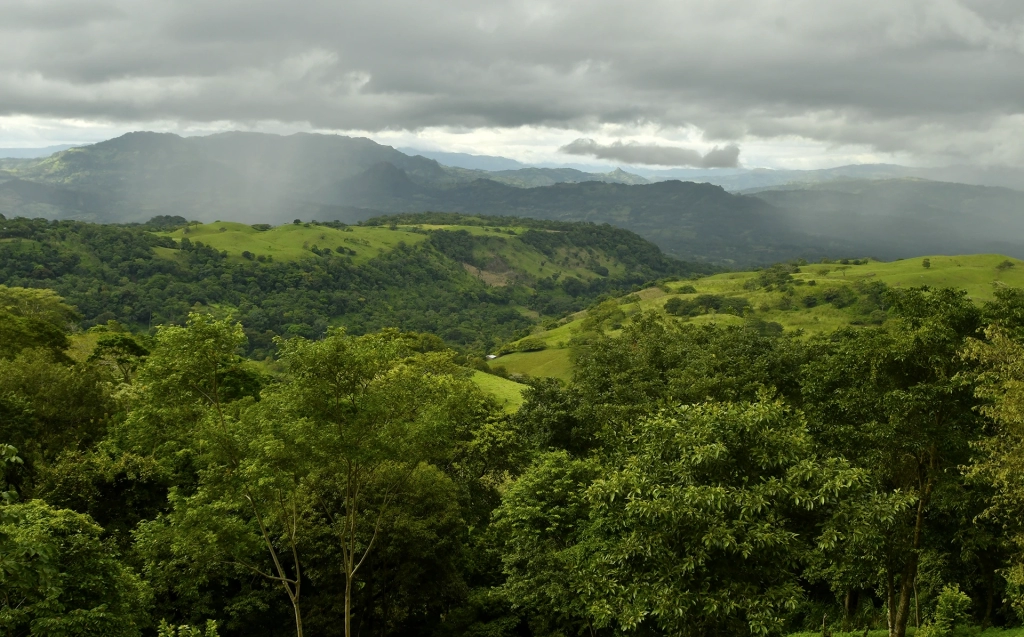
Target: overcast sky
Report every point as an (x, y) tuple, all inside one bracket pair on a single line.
[(789, 83)]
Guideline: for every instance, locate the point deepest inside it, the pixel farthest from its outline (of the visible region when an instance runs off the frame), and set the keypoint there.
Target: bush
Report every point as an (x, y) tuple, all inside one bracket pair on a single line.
[(705, 303), (950, 611), (525, 345)]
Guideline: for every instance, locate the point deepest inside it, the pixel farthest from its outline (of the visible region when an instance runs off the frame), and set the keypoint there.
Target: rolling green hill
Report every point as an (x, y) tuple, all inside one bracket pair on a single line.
[(812, 298), (476, 283)]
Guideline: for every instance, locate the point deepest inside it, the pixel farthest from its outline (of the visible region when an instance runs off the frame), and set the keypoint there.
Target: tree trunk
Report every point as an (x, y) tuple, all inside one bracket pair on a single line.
[(917, 607), (849, 602), (990, 603), (908, 580), (906, 592), (890, 601), (348, 607), (298, 618)]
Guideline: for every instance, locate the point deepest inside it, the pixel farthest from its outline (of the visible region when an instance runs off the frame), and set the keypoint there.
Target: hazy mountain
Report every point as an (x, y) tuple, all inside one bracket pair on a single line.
[(741, 179), (231, 175), (272, 179), (897, 218), (465, 160), (33, 153), (683, 218)]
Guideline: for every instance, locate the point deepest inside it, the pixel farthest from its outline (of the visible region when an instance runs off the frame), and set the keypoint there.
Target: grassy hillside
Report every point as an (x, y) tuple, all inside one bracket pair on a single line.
[(817, 298), (295, 241), (508, 393)]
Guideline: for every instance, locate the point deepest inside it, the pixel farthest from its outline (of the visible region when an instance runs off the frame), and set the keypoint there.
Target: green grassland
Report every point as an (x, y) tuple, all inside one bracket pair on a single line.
[(796, 306), (497, 249), (294, 241), (508, 393)]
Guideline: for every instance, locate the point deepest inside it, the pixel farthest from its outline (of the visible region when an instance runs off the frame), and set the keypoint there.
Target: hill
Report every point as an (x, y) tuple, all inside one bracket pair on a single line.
[(813, 299), (683, 218), (474, 283)]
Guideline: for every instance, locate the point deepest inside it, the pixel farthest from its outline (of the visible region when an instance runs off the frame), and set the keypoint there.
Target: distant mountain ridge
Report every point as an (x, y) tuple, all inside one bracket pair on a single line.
[(259, 178)]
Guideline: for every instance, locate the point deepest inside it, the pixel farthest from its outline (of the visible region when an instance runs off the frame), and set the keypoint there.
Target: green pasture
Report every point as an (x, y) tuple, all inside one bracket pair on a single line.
[(978, 274), (293, 241), (480, 231), (507, 392), (552, 363)]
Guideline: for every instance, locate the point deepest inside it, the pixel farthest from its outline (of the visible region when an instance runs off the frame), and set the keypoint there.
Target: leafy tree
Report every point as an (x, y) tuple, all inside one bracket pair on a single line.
[(121, 351), (49, 405), (245, 511), (33, 318), (58, 577), (373, 416), (689, 525), (897, 403)]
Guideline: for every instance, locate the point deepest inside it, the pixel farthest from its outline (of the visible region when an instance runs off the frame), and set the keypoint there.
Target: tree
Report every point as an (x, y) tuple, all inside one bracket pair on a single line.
[(898, 403), (689, 526), (120, 351), (1000, 355), (58, 577), (191, 398), (375, 416), (33, 318)]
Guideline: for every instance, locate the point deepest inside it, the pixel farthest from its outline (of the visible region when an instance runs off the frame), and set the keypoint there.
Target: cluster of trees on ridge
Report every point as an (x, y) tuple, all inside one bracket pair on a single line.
[(689, 480)]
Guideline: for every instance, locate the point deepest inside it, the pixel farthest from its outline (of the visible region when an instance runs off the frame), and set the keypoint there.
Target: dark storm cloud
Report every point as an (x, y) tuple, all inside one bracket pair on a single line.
[(654, 155), (942, 78)]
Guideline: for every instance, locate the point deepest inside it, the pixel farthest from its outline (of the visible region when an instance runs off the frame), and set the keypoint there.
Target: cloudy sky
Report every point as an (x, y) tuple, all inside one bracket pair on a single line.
[(777, 83)]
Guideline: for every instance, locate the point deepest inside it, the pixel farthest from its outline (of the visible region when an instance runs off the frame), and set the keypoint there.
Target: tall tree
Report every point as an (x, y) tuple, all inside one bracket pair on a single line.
[(376, 415), (895, 402)]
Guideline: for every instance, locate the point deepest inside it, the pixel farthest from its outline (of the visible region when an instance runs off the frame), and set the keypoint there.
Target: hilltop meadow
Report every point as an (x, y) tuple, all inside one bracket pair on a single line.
[(448, 425)]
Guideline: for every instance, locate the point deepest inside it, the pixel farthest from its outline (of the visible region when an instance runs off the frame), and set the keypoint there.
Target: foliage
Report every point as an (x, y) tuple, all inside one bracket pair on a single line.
[(62, 578), (951, 608), (686, 526)]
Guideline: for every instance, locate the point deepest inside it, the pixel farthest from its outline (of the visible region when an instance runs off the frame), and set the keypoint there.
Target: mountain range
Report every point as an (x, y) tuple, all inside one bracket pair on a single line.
[(878, 210)]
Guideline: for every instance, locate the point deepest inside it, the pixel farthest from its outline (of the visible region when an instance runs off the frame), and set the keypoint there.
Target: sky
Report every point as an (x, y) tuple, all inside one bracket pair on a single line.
[(703, 83)]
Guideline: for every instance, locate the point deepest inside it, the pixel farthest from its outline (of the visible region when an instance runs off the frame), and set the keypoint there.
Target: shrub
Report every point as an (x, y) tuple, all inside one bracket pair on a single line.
[(530, 344), (950, 611)]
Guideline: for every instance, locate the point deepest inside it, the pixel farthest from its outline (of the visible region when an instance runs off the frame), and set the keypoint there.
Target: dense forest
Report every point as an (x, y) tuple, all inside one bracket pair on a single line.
[(689, 480)]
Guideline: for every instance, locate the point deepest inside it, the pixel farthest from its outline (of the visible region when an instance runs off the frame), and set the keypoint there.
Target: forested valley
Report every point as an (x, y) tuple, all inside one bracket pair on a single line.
[(173, 467)]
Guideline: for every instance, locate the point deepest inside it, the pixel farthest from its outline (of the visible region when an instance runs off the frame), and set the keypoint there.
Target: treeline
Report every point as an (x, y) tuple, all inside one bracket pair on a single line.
[(112, 272), (690, 480)]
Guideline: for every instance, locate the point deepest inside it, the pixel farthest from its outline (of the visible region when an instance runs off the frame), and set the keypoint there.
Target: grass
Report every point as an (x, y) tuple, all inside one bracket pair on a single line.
[(978, 274), (294, 241), (508, 393), (552, 363)]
